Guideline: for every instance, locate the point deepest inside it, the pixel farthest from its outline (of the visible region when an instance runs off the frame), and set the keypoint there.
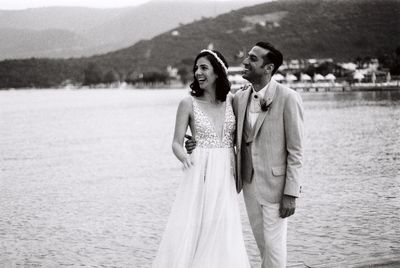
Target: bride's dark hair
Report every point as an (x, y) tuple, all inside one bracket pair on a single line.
[(223, 86)]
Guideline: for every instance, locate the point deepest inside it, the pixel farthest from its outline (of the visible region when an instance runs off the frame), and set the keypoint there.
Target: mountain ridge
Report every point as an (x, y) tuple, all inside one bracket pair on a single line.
[(339, 29), (105, 30)]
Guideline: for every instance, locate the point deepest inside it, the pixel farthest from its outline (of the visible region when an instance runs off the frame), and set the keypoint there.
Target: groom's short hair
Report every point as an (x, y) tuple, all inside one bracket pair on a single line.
[(273, 56)]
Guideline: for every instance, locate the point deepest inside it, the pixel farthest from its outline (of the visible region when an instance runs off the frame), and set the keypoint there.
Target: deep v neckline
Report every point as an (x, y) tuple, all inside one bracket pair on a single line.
[(220, 138)]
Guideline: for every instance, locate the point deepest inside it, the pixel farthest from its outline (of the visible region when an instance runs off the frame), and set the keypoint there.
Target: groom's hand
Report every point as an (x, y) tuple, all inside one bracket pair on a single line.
[(190, 144), (287, 206)]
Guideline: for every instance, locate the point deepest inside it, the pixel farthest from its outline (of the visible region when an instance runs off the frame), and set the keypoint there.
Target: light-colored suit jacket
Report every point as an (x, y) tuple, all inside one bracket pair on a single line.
[(271, 153)]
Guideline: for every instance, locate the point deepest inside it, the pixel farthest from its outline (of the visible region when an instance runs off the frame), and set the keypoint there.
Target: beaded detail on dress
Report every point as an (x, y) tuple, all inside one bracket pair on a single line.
[(206, 135)]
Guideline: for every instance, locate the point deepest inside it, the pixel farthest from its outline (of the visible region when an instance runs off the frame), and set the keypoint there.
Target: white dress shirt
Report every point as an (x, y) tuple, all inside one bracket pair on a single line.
[(255, 104)]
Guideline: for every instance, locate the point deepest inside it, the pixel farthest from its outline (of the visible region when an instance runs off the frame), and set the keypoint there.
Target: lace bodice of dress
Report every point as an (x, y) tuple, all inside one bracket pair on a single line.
[(205, 132)]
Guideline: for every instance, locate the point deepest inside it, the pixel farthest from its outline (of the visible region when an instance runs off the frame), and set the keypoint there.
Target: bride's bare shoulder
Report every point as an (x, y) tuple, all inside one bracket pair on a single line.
[(186, 104)]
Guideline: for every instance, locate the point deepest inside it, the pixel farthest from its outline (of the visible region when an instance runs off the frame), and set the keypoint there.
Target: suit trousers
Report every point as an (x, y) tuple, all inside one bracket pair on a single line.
[(269, 229)]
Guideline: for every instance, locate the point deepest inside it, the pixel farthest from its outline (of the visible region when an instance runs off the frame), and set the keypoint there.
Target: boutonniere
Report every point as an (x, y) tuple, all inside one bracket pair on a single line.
[(264, 105)]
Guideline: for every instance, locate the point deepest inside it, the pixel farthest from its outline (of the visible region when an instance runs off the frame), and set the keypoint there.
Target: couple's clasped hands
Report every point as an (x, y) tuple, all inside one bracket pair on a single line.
[(190, 145)]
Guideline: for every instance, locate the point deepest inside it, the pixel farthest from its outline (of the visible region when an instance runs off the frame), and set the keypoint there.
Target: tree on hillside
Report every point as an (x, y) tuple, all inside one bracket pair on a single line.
[(111, 77), (390, 61), (395, 67), (154, 78), (92, 75), (184, 74)]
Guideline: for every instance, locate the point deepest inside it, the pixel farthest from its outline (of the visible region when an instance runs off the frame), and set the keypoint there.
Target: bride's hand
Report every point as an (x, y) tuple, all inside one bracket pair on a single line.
[(187, 163)]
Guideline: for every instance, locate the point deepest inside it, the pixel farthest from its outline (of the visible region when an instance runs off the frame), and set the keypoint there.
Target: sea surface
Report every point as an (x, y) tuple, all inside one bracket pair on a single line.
[(87, 178)]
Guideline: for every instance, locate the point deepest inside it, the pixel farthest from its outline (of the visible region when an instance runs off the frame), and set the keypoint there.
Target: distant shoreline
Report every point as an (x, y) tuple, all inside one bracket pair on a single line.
[(347, 89), (300, 88)]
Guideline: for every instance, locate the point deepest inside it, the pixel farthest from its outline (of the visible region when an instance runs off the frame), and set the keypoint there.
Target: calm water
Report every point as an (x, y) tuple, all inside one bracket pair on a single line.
[(88, 178)]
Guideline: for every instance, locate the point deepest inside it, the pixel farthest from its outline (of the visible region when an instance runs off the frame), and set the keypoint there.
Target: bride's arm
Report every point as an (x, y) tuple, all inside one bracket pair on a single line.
[(181, 125)]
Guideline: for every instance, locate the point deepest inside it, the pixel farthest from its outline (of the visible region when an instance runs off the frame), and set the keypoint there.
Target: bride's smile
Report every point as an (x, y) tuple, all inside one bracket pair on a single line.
[(204, 73)]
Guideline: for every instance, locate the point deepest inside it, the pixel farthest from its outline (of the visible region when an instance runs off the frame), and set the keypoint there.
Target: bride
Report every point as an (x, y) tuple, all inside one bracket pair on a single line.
[(204, 228)]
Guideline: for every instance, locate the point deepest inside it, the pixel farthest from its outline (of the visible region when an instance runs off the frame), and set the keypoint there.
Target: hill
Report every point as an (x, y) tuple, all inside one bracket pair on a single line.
[(98, 30), (338, 29), (43, 43), (32, 32), (153, 18), (74, 19)]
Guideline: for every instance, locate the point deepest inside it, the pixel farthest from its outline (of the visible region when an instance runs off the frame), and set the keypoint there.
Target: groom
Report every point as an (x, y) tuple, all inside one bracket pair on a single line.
[(269, 151), (269, 118)]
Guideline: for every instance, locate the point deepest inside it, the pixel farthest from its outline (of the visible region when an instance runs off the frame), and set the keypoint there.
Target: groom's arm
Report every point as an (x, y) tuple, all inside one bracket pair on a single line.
[(293, 123), (235, 108)]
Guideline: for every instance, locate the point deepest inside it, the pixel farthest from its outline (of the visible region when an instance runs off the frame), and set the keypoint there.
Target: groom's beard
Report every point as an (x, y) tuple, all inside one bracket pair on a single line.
[(253, 78)]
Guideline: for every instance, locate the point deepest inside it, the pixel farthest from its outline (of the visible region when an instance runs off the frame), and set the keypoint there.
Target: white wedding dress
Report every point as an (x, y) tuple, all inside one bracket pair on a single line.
[(204, 228)]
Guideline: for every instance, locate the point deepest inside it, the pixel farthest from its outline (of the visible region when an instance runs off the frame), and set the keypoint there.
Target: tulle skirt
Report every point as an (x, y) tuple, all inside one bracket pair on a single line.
[(204, 228)]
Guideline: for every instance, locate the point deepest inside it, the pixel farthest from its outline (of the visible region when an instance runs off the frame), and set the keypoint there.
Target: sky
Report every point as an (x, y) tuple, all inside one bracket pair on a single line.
[(23, 4)]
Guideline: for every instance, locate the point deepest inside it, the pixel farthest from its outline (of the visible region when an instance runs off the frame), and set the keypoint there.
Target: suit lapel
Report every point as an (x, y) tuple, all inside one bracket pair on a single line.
[(268, 97), (242, 113)]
